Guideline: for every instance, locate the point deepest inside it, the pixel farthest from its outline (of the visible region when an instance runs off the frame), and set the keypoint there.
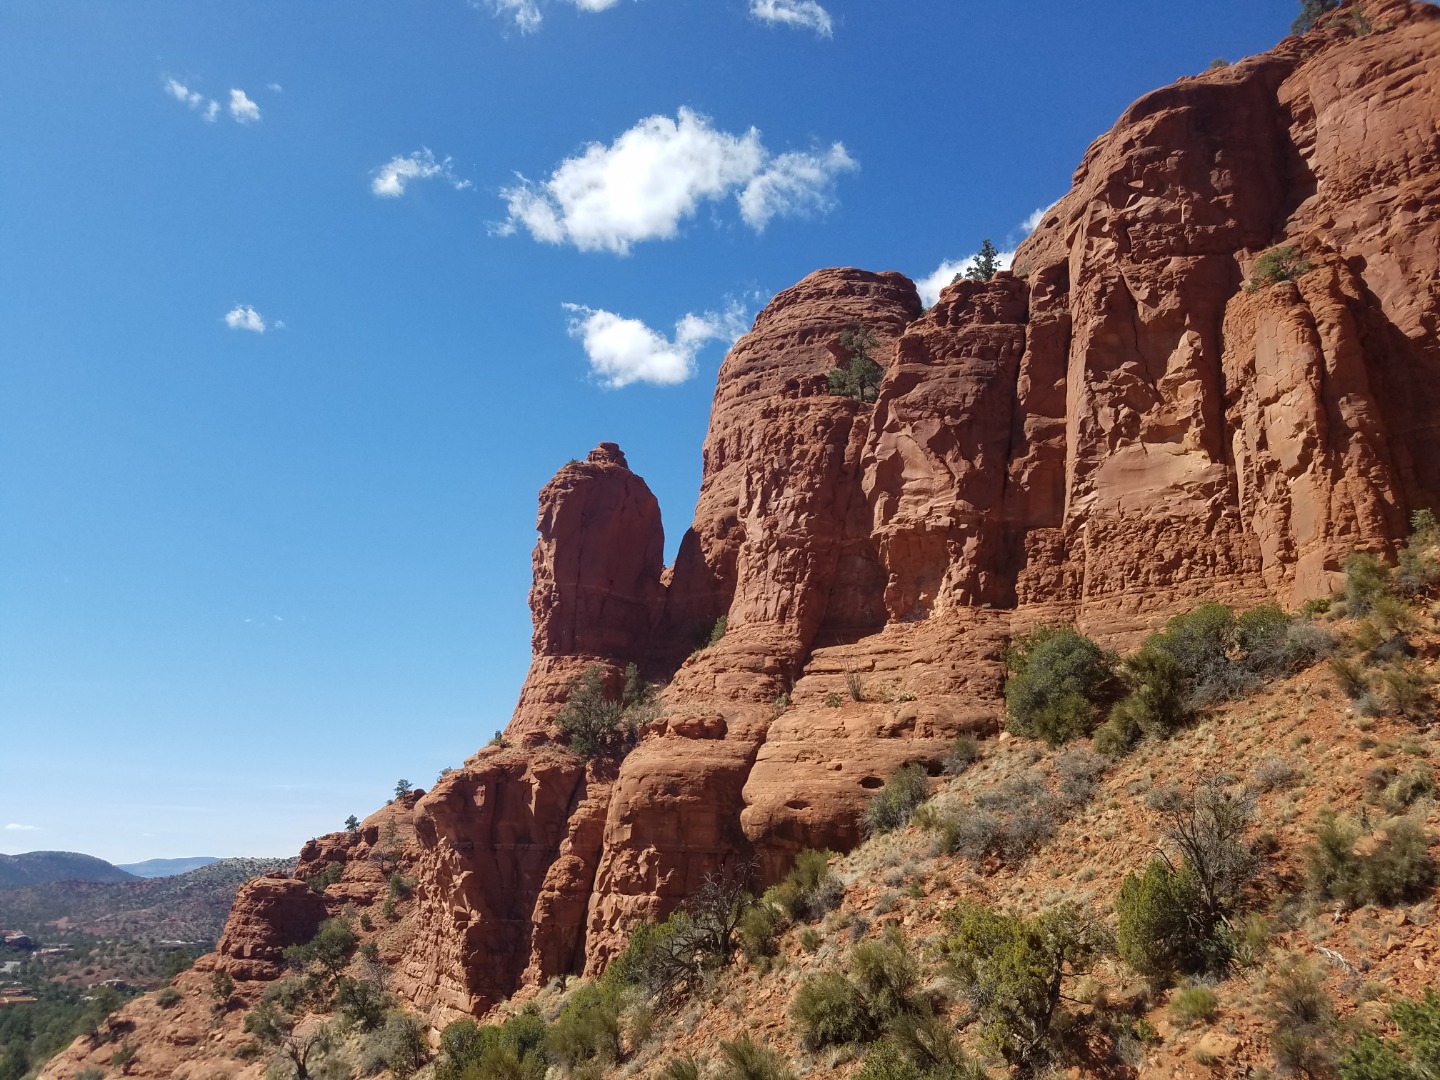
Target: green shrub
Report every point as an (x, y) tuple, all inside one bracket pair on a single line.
[(1153, 932), (1157, 704), (830, 1011), (811, 939), (1115, 737), (667, 959), (1174, 918), (1284, 263), (1059, 681), (1414, 1056), (400, 886), (888, 976), (928, 1042), (1408, 789), (907, 787), (1349, 677), (884, 983), (884, 1061), (964, 752), (1395, 865), (1302, 1020), (744, 1059), (858, 376), (1311, 10), (1013, 970), (594, 724), (1407, 692), (811, 888), (1206, 657), (328, 953), (718, 631), (361, 1001), (806, 893), (1416, 571), (685, 1067), (168, 997), (587, 1029), (513, 1050), (1193, 1005), (1367, 581), (327, 877), (760, 927), (398, 1045)]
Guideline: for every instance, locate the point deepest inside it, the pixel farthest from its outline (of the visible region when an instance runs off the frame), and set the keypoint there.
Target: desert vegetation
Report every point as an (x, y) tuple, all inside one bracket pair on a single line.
[(597, 722)]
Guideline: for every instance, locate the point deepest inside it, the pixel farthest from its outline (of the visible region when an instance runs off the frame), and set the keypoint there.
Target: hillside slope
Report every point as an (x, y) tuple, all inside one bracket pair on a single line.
[(185, 907), (39, 867), (152, 868)]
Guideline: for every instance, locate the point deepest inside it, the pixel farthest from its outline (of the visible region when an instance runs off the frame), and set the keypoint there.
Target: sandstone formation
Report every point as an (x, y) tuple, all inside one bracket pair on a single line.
[(1120, 427), (269, 914), (1116, 430)]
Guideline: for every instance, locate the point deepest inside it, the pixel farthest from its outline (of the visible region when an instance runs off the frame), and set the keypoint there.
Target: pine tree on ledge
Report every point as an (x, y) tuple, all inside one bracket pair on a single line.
[(859, 377)]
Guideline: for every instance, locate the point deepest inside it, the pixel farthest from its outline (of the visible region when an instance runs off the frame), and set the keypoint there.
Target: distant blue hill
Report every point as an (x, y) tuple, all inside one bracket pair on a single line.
[(40, 867), (153, 868)]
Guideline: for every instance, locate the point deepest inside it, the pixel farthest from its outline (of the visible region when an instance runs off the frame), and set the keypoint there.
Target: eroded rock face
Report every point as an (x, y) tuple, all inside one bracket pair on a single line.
[(269, 914), (1236, 443), (492, 886), (778, 540), (1115, 431), (937, 461), (597, 596)]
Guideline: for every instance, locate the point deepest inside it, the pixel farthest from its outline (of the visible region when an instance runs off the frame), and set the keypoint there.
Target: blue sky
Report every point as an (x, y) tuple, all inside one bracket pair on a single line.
[(300, 304)]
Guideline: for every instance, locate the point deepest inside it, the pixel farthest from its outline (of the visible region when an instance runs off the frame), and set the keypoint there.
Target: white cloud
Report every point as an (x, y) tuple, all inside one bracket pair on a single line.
[(12, 827), (657, 174), (806, 14), (525, 13), (245, 317), (929, 286), (193, 98), (275, 88), (392, 177), (793, 184), (624, 351), (1031, 223), (242, 108)]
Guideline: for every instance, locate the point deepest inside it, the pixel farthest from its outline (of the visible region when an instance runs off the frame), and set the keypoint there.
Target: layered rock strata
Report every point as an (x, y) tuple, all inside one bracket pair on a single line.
[(1126, 424)]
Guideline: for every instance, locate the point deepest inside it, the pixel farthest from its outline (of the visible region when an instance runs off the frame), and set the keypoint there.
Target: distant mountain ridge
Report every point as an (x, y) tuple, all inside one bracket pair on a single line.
[(42, 867), (154, 868), (181, 907)]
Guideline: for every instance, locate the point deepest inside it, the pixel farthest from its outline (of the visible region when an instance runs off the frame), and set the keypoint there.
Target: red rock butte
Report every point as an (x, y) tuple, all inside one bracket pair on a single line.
[(1115, 430), (1111, 433)]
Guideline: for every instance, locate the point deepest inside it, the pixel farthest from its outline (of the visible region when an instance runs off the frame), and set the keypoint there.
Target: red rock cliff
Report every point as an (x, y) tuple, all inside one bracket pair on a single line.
[(1112, 432)]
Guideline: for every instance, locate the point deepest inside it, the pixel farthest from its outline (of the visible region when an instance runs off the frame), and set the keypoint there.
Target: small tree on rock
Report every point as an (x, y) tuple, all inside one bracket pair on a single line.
[(986, 264), (859, 376), (1310, 12), (1013, 970), (597, 725)]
